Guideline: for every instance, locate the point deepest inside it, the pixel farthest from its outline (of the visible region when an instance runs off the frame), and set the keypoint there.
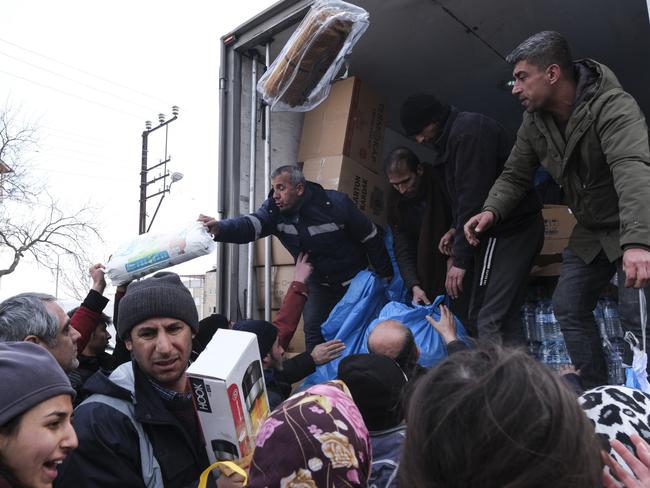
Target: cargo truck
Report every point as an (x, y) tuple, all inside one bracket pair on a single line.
[(454, 49)]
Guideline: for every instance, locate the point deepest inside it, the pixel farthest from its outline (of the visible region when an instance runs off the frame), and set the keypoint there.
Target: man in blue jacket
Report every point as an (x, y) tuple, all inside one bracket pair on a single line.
[(340, 239)]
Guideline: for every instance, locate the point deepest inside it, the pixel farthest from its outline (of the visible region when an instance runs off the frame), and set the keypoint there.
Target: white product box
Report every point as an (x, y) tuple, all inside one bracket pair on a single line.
[(230, 394)]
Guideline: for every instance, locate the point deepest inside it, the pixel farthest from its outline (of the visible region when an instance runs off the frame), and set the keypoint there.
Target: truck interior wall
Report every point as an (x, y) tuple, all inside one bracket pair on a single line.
[(285, 131)]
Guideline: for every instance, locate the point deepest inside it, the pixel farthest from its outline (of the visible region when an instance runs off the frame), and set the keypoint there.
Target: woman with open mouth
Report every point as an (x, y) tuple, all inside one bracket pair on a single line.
[(35, 411)]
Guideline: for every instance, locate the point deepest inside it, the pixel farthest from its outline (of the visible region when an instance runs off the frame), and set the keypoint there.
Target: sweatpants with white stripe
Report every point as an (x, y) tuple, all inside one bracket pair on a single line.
[(501, 270)]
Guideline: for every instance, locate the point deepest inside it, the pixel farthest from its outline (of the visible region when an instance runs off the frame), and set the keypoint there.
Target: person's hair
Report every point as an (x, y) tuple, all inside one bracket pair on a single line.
[(502, 419), (103, 318), (407, 358), (9, 429), (542, 50), (26, 314), (295, 174), (401, 155)]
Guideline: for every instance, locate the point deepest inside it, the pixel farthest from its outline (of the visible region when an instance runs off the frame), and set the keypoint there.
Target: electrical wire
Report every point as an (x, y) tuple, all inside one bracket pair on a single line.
[(139, 117), (78, 82), (83, 71)]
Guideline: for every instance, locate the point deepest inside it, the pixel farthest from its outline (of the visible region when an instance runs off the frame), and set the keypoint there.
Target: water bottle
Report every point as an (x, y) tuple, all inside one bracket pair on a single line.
[(530, 326), (600, 319), (613, 349), (612, 320), (553, 348)]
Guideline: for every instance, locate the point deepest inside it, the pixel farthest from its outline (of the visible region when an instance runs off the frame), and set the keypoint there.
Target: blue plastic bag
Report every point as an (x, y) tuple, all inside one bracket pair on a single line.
[(349, 320), (396, 291), (432, 347)]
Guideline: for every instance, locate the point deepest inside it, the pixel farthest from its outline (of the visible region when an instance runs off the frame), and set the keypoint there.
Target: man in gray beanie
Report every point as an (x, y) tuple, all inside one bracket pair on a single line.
[(139, 426)]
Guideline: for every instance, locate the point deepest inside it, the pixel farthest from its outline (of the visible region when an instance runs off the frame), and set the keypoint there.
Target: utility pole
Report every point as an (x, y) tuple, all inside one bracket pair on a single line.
[(144, 171)]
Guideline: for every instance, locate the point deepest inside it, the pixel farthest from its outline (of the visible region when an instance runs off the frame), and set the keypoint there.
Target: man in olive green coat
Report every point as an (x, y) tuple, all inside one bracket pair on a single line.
[(591, 136)]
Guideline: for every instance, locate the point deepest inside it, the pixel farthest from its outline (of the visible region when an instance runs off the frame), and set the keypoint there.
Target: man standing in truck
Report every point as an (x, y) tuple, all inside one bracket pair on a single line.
[(592, 138), (340, 239), (470, 151)]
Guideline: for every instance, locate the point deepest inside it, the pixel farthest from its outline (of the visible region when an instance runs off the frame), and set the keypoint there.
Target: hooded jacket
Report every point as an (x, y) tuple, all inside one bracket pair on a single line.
[(109, 448), (340, 239), (602, 162)]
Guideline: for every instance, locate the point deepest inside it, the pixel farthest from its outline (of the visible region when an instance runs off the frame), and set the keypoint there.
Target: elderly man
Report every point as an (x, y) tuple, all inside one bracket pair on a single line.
[(139, 426), (340, 239), (393, 339), (36, 317), (592, 138)]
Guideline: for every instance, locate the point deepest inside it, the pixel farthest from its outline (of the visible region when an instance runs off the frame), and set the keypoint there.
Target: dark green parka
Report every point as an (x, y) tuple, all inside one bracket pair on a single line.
[(602, 162)]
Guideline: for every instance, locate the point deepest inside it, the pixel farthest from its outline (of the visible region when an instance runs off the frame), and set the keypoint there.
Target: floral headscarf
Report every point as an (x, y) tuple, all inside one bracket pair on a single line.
[(315, 439)]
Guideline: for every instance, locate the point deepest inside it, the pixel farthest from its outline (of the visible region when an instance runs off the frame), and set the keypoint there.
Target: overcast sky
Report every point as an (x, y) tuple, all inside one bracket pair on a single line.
[(89, 74)]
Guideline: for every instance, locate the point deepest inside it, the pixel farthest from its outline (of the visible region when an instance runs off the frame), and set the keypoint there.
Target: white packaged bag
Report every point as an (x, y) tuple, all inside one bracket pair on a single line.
[(148, 253)]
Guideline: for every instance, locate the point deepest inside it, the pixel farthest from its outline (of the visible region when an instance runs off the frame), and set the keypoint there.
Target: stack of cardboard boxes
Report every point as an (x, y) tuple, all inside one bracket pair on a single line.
[(341, 145)]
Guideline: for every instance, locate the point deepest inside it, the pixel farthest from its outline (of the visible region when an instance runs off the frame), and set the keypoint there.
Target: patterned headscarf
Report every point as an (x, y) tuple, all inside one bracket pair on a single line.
[(618, 412), (315, 439)]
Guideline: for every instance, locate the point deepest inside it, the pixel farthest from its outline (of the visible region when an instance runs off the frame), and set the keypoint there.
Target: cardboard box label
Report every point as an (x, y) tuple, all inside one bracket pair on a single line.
[(558, 225), (281, 279)]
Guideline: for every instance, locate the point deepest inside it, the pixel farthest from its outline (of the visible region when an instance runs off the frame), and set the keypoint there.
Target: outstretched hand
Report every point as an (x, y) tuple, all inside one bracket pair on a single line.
[(477, 224), (640, 465), (303, 268), (97, 274), (446, 326), (209, 223), (327, 351)]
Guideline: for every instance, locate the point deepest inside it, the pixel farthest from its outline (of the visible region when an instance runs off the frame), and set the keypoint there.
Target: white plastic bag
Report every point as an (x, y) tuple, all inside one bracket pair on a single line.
[(148, 253), (301, 76)]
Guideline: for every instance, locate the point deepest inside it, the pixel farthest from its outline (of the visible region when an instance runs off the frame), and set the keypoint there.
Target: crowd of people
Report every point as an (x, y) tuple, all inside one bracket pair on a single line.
[(468, 225)]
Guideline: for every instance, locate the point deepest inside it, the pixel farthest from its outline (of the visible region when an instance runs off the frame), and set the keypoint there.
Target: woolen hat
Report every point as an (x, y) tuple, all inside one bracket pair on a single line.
[(30, 375), (162, 295), (377, 384), (420, 110), (265, 332)]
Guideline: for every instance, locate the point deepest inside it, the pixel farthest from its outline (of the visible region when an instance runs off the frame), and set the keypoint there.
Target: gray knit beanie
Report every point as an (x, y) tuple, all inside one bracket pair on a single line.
[(30, 375), (162, 295)]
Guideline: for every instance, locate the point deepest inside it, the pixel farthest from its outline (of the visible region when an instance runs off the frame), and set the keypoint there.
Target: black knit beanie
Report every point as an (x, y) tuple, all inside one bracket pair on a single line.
[(30, 375), (420, 110), (265, 332), (162, 295), (377, 384)]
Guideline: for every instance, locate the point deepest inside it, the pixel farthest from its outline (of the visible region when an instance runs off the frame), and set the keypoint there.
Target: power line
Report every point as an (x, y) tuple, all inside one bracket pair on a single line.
[(81, 136), (76, 81), (83, 71), (73, 95)]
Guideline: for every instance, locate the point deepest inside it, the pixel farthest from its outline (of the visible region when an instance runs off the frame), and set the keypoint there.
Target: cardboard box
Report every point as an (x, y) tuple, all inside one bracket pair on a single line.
[(366, 189), (281, 278), (228, 386), (279, 254), (558, 224), (350, 122)]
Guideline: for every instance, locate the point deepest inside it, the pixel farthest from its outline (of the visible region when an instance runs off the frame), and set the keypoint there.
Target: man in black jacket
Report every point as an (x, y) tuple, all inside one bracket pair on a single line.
[(340, 239), (139, 427), (471, 150), (418, 215)]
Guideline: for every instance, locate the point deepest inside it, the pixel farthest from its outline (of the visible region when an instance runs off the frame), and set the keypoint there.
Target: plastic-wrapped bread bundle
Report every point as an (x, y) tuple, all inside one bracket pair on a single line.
[(148, 253), (300, 77)]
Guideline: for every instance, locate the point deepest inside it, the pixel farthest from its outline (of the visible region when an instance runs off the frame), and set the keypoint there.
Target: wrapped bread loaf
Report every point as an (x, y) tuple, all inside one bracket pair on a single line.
[(300, 77)]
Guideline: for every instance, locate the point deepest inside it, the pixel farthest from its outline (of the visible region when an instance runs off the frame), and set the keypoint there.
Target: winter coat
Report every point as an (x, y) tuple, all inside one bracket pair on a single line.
[(418, 224), (602, 162), (470, 153), (109, 451), (340, 239)]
